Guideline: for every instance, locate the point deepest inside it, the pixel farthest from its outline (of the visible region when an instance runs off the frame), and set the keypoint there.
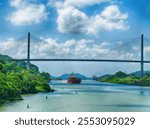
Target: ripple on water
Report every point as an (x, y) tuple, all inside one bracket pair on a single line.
[(89, 96)]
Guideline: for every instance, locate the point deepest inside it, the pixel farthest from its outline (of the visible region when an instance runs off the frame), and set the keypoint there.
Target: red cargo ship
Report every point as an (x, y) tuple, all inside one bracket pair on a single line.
[(72, 79)]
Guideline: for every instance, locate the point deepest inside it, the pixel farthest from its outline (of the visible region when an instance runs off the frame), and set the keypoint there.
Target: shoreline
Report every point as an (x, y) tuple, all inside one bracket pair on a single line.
[(19, 98)]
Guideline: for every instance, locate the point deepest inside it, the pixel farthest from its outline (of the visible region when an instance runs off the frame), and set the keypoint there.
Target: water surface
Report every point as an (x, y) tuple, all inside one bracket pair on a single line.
[(89, 96)]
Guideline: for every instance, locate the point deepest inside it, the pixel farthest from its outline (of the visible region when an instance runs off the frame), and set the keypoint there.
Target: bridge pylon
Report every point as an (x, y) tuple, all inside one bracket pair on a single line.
[(28, 52), (142, 55)]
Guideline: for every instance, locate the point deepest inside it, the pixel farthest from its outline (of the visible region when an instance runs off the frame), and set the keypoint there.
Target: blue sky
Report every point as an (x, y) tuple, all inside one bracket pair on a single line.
[(75, 29), (138, 13)]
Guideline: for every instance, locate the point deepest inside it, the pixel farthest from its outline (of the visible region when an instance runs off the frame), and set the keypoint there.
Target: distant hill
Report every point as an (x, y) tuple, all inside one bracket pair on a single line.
[(78, 75), (138, 73), (4, 57), (104, 76), (20, 63), (55, 78), (131, 79)]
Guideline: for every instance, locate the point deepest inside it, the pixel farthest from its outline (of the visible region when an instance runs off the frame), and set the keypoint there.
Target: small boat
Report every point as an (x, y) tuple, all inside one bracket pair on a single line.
[(72, 79), (94, 77)]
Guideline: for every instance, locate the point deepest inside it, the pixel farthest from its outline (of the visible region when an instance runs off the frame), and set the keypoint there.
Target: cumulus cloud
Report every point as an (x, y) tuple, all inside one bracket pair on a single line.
[(112, 12), (27, 13), (13, 48), (72, 20), (76, 49), (109, 19), (147, 52)]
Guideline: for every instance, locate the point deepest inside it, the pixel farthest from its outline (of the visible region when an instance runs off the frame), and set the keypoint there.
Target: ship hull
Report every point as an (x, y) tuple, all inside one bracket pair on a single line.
[(71, 81)]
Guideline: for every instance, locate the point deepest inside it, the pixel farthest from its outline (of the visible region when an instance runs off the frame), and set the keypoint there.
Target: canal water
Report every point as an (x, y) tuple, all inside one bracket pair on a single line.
[(89, 96)]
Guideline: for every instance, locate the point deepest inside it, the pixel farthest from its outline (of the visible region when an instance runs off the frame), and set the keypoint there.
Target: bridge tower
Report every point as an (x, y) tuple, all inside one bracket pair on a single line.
[(28, 52), (142, 55)]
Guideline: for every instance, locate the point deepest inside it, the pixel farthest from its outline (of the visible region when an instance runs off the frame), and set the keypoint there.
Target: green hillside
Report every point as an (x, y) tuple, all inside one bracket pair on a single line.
[(123, 78), (16, 79)]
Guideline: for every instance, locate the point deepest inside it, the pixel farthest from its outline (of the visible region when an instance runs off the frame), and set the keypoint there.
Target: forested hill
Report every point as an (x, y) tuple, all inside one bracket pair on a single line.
[(16, 79), (123, 78)]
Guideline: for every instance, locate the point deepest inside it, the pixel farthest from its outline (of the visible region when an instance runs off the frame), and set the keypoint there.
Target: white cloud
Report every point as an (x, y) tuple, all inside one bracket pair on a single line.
[(12, 48), (110, 19), (72, 20), (26, 13), (112, 12), (16, 3), (147, 50), (76, 49)]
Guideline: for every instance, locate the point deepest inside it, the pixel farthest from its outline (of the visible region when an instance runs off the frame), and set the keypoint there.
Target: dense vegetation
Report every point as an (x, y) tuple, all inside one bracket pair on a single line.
[(16, 79), (123, 78)]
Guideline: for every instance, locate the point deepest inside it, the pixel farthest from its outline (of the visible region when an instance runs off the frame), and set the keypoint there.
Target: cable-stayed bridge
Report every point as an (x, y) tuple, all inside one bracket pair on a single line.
[(136, 44)]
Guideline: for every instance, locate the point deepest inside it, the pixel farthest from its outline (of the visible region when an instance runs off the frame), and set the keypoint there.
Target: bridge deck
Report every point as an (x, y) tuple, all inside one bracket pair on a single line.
[(81, 60)]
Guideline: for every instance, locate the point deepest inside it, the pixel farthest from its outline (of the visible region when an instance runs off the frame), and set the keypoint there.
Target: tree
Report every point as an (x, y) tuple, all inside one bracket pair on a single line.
[(1, 67), (16, 79)]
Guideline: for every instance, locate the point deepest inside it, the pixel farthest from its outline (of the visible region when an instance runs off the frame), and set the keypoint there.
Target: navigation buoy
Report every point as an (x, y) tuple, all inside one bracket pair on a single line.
[(46, 97), (28, 106)]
